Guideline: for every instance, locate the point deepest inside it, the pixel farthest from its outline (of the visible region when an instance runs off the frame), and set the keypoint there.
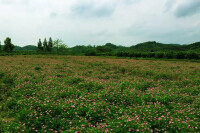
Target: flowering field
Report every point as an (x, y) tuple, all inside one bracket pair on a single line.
[(96, 94)]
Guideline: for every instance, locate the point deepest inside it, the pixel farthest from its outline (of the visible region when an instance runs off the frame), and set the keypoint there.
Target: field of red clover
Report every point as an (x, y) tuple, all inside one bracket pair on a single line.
[(98, 94)]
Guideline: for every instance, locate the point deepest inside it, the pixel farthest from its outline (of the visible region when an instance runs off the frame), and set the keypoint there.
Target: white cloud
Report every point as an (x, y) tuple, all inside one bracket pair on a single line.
[(124, 22)]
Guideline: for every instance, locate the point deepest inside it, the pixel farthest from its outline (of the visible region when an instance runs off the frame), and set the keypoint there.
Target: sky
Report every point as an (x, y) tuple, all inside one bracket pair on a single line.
[(97, 22)]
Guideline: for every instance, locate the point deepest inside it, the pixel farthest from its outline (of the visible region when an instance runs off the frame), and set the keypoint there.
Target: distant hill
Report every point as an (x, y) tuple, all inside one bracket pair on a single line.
[(193, 46), (150, 46), (155, 46), (28, 47)]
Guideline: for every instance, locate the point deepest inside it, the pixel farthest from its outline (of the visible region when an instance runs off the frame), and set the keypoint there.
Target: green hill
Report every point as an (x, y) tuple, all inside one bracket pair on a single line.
[(152, 46), (28, 47), (194, 46)]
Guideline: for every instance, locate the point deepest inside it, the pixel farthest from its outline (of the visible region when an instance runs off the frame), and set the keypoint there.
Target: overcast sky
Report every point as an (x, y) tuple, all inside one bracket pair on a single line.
[(96, 22)]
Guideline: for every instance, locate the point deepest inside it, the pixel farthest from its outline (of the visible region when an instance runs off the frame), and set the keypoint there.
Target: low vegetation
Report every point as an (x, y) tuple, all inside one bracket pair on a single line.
[(6, 88), (49, 93)]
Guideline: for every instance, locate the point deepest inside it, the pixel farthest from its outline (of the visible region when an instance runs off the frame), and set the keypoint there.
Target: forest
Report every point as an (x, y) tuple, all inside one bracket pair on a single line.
[(150, 49)]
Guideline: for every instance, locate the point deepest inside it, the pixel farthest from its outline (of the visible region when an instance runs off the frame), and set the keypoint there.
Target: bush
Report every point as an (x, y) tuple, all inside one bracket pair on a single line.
[(192, 55), (159, 55), (90, 53), (38, 68), (180, 55), (151, 55), (169, 55)]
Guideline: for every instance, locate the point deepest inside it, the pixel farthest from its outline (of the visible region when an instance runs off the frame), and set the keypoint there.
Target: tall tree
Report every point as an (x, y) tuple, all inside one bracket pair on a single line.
[(8, 46), (45, 44), (60, 45), (50, 45), (0, 45), (40, 48)]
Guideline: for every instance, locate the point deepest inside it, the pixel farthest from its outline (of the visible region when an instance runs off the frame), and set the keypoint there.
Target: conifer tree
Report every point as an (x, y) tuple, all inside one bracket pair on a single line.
[(45, 44), (50, 45), (40, 45)]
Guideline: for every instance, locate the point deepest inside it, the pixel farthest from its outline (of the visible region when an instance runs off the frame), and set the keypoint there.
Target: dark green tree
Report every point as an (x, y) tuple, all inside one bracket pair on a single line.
[(0, 45), (40, 48), (192, 55), (101, 49), (50, 45), (45, 44), (8, 46), (181, 55)]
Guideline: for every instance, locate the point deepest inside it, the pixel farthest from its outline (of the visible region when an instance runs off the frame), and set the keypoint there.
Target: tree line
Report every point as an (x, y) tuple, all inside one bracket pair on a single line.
[(143, 50), (161, 55), (50, 46)]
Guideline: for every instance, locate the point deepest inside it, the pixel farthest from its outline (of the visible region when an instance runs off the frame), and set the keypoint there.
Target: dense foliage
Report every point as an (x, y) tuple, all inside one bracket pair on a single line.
[(95, 94), (0, 46), (8, 46), (160, 55), (149, 49)]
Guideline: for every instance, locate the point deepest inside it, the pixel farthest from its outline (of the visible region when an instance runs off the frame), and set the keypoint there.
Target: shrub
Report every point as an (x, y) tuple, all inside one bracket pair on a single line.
[(90, 53), (159, 55), (180, 55), (192, 55), (38, 68), (169, 55)]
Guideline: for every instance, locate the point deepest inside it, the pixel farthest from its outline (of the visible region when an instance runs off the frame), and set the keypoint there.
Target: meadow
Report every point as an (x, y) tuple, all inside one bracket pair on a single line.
[(51, 93)]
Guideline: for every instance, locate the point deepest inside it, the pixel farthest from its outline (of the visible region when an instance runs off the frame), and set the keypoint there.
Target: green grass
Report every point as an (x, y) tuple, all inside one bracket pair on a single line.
[(6, 86), (94, 94)]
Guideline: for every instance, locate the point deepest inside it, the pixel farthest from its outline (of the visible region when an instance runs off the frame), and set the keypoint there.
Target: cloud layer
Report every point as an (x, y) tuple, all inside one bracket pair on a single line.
[(123, 22), (188, 8)]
